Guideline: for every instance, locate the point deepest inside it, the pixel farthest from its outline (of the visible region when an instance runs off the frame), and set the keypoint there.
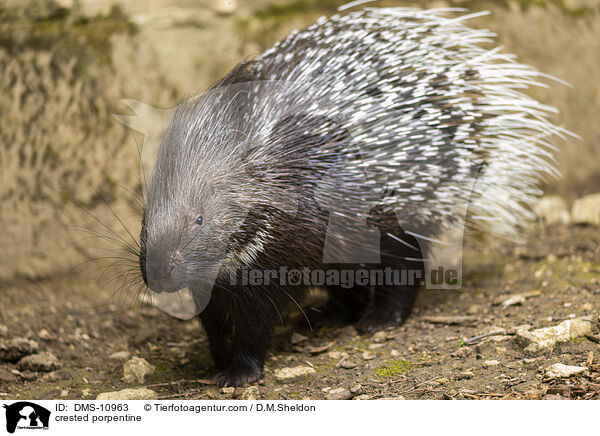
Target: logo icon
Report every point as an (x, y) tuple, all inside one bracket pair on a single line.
[(26, 415)]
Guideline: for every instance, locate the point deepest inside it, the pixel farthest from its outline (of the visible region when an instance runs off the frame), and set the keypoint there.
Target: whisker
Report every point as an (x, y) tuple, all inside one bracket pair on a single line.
[(114, 214)]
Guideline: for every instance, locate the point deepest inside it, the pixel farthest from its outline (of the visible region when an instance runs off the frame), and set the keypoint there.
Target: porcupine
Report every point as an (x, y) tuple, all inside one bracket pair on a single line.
[(386, 116)]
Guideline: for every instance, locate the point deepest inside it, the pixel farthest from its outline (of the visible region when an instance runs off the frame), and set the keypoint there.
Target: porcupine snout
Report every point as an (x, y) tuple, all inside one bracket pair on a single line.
[(165, 273)]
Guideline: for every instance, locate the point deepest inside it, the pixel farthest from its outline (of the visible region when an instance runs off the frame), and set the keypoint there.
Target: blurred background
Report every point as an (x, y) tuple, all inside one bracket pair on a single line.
[(68, 65)]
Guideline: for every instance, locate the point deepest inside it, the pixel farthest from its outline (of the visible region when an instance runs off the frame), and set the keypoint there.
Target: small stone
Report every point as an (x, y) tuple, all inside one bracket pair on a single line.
[(3, 330), (356, 389), (362, 397), (559, 370), (347, 364), (368, 356), (225, 7), (319, 349), (394, 353), (501, 350), (513, 300), (129, 394), (337, 355), (45, 335), (339, 394), (545, 339), (375, 346), (16, 348), (587, 307), (120, 356), (488, 363), (136, 369), (43, 361), (463, 352), (552, 209), (297, 338), (379, 337), (464, 375), (229, 390), (399, 397), (29, 375), (50, 376), (251, 393), (586, 210), (293, 372), (64, 393), (474, 309)]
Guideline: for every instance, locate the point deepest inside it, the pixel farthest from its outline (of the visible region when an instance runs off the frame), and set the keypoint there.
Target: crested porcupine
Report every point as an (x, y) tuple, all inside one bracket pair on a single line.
[(384, 122)]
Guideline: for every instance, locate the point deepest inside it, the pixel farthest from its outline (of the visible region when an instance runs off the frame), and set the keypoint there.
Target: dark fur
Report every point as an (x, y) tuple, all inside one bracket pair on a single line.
[(239, 320)]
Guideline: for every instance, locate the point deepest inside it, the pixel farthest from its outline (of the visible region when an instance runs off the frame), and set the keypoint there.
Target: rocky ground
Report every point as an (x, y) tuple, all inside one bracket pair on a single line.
[(70, 338)]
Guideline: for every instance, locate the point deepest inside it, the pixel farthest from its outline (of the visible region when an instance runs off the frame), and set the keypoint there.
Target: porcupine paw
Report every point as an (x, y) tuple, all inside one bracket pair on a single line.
[(378, 318), (237, 376)]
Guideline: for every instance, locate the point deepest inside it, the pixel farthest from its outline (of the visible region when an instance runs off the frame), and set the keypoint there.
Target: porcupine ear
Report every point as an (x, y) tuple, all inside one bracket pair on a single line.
[(241, 73)]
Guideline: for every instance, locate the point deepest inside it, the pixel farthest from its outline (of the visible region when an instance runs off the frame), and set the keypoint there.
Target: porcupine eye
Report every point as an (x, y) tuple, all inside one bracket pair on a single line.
[(198, 220)]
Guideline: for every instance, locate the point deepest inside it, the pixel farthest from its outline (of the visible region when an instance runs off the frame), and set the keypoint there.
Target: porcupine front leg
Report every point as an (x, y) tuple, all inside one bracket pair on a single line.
[(217, 324), (393, 302), (253, 323)]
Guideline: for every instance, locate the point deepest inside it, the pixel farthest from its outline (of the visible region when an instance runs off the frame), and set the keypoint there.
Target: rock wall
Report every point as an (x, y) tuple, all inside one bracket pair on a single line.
[(66, 65)]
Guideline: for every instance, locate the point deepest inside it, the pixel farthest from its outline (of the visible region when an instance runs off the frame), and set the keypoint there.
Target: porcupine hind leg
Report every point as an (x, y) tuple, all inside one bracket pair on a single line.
[(344, 305), (393, 301)]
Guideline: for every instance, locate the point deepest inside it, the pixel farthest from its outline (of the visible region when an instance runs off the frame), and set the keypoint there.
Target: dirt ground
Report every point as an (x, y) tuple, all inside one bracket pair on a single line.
[(432, 356)]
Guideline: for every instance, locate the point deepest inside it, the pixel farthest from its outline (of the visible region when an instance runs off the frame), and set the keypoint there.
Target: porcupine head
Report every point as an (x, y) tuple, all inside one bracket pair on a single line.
[(205, 182)]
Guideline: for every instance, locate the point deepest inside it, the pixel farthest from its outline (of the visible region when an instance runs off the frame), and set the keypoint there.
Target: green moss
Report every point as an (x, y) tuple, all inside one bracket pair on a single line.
[(284, 11), (66, 35), (264, 26), (394, 368), (65, 196)]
